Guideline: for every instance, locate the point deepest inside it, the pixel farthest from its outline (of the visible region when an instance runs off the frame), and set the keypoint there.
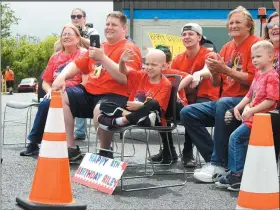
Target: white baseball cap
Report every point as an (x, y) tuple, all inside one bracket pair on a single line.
[(192, 27)]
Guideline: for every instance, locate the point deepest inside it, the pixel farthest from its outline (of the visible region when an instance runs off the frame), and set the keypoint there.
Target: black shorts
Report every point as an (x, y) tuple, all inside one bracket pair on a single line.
[(82, 103), (9, 83)]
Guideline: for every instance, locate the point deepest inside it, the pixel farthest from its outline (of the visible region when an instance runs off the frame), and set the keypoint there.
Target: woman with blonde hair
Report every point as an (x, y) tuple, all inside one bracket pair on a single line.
[(70, 40)]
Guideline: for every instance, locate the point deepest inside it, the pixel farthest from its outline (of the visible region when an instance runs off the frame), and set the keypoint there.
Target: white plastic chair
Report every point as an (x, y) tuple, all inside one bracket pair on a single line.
[(19, 106)]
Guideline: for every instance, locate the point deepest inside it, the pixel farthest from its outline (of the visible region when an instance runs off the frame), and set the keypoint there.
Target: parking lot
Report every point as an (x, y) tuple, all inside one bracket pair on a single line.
[(17, 176)]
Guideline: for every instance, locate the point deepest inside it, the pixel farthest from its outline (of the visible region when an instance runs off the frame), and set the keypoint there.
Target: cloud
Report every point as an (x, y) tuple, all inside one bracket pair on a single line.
[(41, 19)]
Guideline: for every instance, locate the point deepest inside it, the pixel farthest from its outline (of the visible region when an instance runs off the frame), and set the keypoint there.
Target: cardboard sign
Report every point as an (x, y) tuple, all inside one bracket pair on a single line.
[(173, 42), (100, 173)]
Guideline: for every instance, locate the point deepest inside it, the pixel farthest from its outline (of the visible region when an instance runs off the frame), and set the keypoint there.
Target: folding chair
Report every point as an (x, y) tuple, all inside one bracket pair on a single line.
[(171, 118), (20, 106)]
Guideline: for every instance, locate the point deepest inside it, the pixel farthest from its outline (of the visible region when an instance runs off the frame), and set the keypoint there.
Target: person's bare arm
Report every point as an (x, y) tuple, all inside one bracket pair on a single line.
[(242, 103), (262, 106), (68, 72), (216, 79), (85, 42), (240, 106), (47, 87), (218, 66), (57, 46), (185, 82), (204, 73), (112, 67), (238, 76)]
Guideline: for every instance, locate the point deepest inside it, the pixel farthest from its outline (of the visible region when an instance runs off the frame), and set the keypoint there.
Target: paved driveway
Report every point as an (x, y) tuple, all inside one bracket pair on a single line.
[(17, 176)]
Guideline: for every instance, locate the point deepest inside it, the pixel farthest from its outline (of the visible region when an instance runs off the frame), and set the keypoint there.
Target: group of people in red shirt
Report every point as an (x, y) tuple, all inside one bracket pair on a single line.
[(117, 84)]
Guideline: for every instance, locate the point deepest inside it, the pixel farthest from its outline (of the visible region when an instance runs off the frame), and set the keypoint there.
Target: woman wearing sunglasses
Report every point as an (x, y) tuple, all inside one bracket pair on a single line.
[(272, 33), (78, 18), (70, 41)]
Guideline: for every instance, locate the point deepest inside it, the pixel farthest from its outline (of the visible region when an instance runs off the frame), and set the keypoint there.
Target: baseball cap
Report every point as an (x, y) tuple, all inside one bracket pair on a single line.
[(193, 27)]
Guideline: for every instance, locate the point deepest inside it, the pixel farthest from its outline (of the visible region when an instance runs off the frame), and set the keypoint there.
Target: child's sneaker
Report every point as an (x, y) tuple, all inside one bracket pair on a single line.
[(105, 120), (231, 182)]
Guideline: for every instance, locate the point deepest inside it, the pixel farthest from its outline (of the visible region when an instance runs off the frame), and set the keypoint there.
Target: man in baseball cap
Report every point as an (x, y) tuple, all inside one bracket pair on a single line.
[(191, 61), (194, 27)]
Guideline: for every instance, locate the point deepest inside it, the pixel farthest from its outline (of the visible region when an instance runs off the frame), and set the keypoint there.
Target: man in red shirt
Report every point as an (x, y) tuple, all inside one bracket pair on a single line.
[(101, 84), (233, 70)]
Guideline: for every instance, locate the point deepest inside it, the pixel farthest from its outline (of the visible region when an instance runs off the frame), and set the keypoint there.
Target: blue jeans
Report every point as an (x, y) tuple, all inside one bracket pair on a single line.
[(80, 130), (197, 117), (238, 144), (37, 131)]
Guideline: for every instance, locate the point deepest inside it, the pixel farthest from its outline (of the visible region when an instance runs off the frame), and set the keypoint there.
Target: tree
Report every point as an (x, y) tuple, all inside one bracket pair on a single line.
[(7, 19), (27, 59)]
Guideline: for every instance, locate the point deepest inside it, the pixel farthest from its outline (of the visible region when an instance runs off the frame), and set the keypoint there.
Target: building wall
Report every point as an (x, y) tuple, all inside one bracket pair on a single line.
[(192, 4), (169, 21)]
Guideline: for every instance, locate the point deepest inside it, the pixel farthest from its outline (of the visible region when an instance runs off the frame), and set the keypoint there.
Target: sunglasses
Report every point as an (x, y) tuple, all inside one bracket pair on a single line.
[(76, 16), (272, 25)]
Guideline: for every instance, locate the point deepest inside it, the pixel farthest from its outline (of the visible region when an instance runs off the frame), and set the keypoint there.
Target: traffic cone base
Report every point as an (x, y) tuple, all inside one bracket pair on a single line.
[(30, 205), (258, 200)]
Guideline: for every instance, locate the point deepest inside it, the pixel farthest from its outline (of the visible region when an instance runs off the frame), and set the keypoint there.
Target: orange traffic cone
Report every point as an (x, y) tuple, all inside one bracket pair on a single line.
[(259, 186), (51, 188)]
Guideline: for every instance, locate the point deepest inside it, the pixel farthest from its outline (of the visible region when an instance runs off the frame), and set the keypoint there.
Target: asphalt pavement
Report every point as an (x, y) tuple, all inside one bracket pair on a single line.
[(17, 175)]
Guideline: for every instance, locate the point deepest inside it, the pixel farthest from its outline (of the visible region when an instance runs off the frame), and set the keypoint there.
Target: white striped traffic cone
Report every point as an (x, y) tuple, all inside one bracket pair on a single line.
[(51, 188), (260, 186)]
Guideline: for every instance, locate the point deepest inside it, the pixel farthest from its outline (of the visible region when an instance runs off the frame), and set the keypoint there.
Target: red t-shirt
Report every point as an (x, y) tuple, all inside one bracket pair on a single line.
[(182, 94), (56, 64), (263, 87), (100, 81), (191, 65), (238, 58), (144, 90)]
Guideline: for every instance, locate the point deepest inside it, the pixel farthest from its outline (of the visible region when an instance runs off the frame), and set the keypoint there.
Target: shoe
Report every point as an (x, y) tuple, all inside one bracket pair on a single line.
[(156, 158), (206, 173), (74, 154), (217, 176), (188, 160), (166, 158), (79, 138), (107, 154), (105, 120), (230, 182), (30, 150), (152, 117)]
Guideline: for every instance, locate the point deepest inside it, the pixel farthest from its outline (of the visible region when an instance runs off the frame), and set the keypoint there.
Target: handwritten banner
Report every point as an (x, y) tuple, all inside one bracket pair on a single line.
[(100, 173), (173, 42)]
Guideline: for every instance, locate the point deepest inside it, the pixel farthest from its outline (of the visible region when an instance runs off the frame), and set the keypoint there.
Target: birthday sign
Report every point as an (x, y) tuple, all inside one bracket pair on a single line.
[(100, 173), (173, 42)]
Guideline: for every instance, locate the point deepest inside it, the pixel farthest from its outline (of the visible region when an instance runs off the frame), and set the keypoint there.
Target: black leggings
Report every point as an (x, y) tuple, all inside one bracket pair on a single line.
[(188, 142), (144, 111), (275, 121)]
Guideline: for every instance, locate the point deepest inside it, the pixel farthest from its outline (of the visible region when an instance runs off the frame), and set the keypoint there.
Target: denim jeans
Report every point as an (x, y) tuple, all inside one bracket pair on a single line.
[(197, 117), (80, 124), (238, 144), (37, 131)]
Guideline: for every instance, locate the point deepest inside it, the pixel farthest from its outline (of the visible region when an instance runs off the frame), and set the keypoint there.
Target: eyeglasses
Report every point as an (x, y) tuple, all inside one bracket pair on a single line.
[(76, 16), (272, 25), (67, 34)]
